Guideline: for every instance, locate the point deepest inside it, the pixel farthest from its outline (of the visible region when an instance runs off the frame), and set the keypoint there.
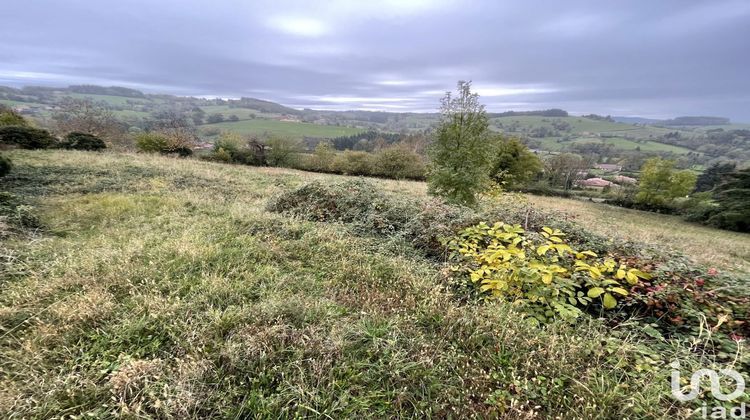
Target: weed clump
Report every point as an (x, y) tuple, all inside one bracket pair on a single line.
[(15, 213), (370, 211)]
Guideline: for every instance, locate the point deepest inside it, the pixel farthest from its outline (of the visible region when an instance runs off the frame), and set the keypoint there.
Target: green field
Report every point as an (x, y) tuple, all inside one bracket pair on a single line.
[(285, 128), (584, 130)]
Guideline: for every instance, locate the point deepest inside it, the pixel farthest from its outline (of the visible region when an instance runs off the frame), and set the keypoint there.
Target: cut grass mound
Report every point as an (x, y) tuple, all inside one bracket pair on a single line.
[(164, 288)]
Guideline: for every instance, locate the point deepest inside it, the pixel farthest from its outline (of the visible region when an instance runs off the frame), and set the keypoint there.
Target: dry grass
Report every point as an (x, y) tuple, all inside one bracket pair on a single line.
[(718, 248)]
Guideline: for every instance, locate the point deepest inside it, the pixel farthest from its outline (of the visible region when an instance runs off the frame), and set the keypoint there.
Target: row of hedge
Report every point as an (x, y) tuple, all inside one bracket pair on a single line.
[(35, 138), (394, 162)]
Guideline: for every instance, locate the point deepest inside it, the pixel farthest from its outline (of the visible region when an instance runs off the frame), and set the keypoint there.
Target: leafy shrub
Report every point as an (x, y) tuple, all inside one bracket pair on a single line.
[(349, 202), (154, 142), (151, 142), (239, 150), (26, 137), (323, 157), (514, 165), (5, 166), (398, 162), (541, 273), (9, 116), (358, 202), (82, 141), (282, 151), (353, 163)]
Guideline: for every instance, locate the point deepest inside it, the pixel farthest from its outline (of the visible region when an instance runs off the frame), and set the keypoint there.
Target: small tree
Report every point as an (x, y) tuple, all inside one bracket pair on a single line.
[(460, 153), (714, 175), (733, 200), (566, 168), (660, 183), (514, 165), (282, 151), (84, 116), (323, 157)]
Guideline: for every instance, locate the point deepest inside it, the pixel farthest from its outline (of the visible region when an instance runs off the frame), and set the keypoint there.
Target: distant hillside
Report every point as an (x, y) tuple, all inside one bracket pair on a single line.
[(541, 113), (697, 121), (263, 106), (694, 142), (637, 120), (678, 121)]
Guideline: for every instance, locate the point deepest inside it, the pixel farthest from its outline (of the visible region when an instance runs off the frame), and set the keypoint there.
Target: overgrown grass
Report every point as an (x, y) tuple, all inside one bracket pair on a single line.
[(162, 287), (725, 250)]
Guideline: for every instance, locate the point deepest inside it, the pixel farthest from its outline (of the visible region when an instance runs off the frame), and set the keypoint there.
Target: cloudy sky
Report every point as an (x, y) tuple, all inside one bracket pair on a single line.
[(654, 58)]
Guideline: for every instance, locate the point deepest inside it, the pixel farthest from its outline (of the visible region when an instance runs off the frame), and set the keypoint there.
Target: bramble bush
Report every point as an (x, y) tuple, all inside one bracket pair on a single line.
[(155, 142), (82, 141), (26, 137)]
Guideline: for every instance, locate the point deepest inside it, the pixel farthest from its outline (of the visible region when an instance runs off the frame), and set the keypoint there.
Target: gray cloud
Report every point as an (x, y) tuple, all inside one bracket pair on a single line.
[(666, 58)]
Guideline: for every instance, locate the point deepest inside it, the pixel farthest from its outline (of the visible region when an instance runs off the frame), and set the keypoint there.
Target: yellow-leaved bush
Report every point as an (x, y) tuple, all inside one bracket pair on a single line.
[(539, 272)]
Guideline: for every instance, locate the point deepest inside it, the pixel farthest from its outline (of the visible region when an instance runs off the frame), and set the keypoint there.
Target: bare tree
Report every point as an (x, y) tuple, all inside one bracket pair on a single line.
[(84, 116), (566, 168)]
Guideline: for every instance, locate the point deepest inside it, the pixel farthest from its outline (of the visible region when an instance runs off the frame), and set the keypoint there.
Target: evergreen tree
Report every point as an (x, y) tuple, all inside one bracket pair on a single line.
[(713, 176), (733, 199)]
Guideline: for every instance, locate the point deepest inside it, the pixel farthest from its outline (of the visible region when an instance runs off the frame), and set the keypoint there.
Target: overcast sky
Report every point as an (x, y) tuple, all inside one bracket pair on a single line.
[(653, 58)]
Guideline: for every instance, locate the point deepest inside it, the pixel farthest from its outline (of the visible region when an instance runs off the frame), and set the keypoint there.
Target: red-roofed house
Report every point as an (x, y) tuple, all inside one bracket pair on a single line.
[(596, 183)]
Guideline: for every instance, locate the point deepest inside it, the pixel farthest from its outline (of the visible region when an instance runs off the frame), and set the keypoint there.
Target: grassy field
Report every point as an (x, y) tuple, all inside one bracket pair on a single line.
[(162, 287), (584, 130), (285, 128), (722, 249)]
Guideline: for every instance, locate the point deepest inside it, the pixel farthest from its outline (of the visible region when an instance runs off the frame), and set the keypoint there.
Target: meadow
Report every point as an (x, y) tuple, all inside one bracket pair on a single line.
[(146, 286)]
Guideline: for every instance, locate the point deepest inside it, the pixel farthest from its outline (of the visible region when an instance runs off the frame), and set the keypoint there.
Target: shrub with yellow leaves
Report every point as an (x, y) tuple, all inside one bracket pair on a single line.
[(538, 271)]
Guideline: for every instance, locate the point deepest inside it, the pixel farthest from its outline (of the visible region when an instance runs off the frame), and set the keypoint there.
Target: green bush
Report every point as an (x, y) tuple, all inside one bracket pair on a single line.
[(26, 137), (399, 163), (232, 148), (5, 166), (82, 141), (9, 116), (360, 203), (153, 142), (353, 163), (282, 151), (322, 159)]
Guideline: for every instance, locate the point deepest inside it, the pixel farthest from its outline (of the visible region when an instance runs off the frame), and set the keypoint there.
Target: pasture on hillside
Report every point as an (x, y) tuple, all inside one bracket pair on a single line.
[(147, 286)]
